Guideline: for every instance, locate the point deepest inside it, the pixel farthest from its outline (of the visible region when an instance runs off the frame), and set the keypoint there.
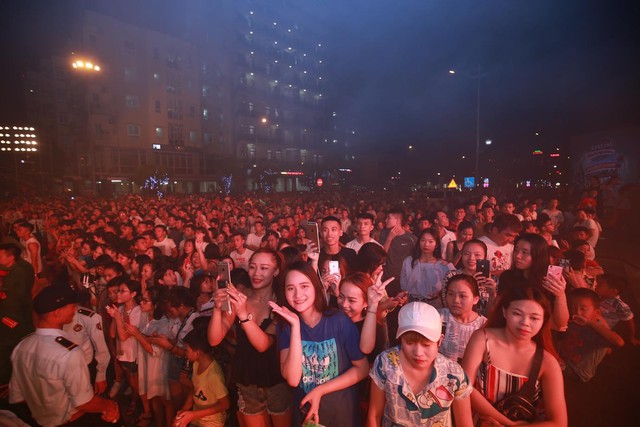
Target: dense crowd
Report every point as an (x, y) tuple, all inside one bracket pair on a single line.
[(303, 309)]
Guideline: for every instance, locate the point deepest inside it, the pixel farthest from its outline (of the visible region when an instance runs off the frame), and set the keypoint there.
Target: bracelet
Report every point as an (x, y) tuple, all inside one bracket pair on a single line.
[(371, 312)]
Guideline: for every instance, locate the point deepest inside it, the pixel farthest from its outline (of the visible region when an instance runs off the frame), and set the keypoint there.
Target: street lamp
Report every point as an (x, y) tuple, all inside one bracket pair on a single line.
[(477, 78), (88, 67)]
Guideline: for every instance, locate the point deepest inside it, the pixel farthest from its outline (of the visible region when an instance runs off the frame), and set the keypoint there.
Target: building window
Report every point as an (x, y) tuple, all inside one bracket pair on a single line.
[(206, 138), (129, 74), (159, 132), (132, 101), (269, 154), (278, 155), (192, 136), (98, 128), (156, 77), (174, 109), (205, 113), (252, 130), (158, 106), (205, 91), (175, 135), (133, 130)]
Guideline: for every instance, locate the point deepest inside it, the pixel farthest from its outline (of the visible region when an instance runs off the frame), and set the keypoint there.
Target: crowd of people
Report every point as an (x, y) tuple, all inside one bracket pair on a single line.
[(302, 309)]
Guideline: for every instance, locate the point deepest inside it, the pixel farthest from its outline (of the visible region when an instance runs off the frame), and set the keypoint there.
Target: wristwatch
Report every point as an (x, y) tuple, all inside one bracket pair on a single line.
[(249, 317)]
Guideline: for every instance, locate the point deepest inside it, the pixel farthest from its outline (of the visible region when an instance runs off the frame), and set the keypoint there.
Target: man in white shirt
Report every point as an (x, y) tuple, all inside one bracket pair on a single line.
[(49, 370), (586, 219), (364, 227), (167, 246), (240, 255), (255, 239), (499, 241), (31, 252), (440, 219)]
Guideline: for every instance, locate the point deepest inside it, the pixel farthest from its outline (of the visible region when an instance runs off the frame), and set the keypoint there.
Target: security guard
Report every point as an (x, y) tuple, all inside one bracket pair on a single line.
[(49, 370), (86, 330)]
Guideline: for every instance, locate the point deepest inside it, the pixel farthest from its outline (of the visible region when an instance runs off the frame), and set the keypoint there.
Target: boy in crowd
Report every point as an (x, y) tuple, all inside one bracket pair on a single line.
[(240, 254), (613, 309), (588, 338), (417, 361)]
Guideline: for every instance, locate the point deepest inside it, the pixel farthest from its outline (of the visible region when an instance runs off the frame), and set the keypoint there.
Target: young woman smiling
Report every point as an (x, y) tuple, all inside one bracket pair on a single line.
[(319, 352), (263, 396)]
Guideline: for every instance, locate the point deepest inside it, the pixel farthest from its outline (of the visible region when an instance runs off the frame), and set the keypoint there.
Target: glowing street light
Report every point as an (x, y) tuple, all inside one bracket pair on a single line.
[(85, 65), (89, 66)]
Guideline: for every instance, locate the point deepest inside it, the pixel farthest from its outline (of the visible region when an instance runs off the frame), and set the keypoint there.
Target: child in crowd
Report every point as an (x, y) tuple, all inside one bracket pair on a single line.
[(209, 402), (588, 338), (458, 319), (413, 384), (613, 309)]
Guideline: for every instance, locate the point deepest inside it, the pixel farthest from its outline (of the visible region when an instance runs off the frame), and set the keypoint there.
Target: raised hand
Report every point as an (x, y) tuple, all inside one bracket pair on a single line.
[(285, 313)]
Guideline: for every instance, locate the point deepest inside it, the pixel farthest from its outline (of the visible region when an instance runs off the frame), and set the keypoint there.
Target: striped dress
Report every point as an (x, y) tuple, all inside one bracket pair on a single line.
[(495, 384)]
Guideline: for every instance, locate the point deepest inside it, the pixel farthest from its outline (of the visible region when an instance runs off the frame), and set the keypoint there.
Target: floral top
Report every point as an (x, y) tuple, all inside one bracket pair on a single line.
[(427, 407)]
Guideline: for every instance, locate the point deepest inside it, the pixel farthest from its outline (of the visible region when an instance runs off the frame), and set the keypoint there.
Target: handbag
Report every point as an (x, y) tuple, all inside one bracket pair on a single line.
[(518, 406)]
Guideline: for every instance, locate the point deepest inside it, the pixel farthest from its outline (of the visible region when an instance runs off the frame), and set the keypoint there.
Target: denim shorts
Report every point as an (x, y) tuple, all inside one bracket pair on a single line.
[(253, 400)]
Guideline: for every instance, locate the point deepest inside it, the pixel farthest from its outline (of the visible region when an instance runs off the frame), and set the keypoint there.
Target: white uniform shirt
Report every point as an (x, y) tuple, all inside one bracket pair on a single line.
[(86, 330), (50, 375)]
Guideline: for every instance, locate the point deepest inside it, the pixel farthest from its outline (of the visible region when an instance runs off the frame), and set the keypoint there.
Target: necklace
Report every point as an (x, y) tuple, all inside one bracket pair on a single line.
[(270, 298)]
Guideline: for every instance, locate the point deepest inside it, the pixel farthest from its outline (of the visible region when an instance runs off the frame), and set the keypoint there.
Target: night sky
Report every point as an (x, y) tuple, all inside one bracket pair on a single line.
[(559, 68)]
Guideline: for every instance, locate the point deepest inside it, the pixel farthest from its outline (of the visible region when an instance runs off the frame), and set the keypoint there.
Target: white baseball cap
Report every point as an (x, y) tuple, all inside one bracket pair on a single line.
[(422, 318)]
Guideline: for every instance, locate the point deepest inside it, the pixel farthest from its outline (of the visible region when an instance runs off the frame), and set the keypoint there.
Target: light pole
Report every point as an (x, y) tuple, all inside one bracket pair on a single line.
[(89, 67), (477, 78)]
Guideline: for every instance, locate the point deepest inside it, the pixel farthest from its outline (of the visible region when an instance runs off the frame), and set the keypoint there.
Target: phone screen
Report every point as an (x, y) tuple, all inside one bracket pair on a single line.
[(224, 278), (334, 267), (311, 229)]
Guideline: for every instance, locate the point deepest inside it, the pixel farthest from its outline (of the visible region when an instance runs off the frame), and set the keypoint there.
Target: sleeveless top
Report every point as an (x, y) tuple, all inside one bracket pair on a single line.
[(251, 367), (495, 384)]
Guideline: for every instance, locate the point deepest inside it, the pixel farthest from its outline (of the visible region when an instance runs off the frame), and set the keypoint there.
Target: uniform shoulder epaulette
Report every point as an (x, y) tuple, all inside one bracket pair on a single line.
[(66, 343), (86, 312)]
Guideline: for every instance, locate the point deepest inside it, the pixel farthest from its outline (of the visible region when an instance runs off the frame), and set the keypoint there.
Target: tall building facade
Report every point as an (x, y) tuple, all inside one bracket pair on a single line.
[(240, 93)]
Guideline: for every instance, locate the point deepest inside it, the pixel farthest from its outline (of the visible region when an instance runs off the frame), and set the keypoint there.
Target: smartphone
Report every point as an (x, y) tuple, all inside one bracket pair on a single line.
[(224, 278), (564, 263), (555, 271), (311, 230), (305, 409), (334, 267), (483, 266)]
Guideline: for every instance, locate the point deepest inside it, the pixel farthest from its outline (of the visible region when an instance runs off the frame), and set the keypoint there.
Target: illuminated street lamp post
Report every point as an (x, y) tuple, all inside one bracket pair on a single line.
[(88, 67), (477, 78), (264, 122)]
